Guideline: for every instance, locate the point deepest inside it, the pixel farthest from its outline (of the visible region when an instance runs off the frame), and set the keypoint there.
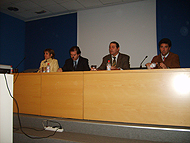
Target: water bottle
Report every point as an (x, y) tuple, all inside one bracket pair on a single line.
[(108, 65), (11, 70), (48, 68)]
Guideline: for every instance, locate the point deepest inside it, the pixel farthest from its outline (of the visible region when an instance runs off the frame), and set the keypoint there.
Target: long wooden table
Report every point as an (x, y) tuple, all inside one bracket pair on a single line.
[(159, 97), (50, 94)]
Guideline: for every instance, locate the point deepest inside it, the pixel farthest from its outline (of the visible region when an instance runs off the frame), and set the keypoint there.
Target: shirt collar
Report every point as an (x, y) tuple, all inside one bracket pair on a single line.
[(164, 56), (115, 56), (76, 61), (49, 60)]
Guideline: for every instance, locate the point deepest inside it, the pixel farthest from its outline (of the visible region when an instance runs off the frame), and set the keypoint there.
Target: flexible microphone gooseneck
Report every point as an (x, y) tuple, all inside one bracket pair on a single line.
[(19, 64), (142, 62)]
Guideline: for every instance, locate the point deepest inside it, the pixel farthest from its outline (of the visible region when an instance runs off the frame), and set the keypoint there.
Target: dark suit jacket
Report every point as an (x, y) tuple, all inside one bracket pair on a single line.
[(122, 62), (172, 60), (82, 65)]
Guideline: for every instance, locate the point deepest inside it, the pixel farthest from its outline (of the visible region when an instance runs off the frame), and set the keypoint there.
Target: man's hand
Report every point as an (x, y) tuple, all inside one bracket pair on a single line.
[(163, 66), (148, 65), (114, 68), (93, 69), (59, 70)]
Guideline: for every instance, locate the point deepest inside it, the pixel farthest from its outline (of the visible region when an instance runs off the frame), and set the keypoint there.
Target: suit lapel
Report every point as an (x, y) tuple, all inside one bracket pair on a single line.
[(160, 58), (118, 60), (110, 58), (78, 65), (72, 65)]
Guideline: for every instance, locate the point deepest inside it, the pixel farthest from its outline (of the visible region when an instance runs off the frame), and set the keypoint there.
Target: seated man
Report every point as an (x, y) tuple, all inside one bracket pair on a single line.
[(76, 62), (117, 59), (165, 59)]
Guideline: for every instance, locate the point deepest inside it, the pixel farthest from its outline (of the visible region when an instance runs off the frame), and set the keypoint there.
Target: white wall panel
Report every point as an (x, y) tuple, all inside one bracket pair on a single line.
[(132, 25)]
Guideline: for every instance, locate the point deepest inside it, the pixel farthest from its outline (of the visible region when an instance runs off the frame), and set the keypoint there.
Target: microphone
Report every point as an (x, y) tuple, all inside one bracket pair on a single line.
[(142, 62), (16, 70)]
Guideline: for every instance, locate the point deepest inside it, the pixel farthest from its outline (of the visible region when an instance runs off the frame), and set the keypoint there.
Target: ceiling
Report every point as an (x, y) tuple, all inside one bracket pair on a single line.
[(28, 9)]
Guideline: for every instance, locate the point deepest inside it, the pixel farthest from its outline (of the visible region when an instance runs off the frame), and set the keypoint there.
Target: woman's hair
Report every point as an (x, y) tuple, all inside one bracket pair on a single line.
[(50, 51)]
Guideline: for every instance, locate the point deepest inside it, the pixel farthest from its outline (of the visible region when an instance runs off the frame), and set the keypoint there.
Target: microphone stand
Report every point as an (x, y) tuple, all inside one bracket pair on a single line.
[(142, 62), (16, 70)]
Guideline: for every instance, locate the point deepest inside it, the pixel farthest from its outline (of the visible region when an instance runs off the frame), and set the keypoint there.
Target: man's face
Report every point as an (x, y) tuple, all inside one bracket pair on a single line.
[(74, 55), (47, 55), (113, 49), (164, 49)]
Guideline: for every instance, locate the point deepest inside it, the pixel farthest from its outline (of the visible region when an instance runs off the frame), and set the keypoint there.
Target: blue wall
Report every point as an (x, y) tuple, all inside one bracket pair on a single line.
[(58, 33), (12, 41), (173, 22)]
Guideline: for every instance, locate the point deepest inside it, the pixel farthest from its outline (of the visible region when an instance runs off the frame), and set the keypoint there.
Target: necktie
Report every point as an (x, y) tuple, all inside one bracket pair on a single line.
[(164, 59), (114, 62), (75, 65)]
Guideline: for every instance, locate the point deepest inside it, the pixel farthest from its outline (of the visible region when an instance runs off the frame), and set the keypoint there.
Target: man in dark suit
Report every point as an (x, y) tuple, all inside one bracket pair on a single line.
[(165, 59), (117, 59), (76, 62)]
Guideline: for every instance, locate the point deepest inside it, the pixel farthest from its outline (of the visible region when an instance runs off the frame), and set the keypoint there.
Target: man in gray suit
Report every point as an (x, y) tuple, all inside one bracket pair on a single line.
[(117, 59)]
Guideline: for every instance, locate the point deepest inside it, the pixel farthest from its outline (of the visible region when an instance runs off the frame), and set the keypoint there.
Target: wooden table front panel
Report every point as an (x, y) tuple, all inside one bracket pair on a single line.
[(27, 92), (144, 96), (62, 95)]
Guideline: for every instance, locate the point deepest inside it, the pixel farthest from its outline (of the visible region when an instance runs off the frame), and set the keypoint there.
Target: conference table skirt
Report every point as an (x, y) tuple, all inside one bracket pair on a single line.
[(159, 96)]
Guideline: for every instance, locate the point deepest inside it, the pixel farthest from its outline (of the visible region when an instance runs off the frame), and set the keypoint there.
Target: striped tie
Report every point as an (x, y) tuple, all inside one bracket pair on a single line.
[(114, 62)]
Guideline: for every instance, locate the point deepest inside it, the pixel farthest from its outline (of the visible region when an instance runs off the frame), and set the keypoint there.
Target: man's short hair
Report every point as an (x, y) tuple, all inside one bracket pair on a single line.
[(75, 48), (50, 51), (114, 42), (165, 41)]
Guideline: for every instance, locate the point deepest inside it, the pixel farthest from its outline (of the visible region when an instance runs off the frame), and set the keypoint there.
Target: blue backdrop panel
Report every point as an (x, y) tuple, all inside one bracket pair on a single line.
[(58, 33), (173, 22), (12, 41)]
